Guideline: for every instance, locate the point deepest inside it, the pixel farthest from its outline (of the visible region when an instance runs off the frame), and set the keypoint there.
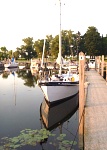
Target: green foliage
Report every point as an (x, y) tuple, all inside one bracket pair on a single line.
[(55, 47), (33, 137), (92, 41), (28, 48), (82, 47), (104, 46), (48, 43), (3, 53), (29, 80), (38, 46), (67, 41), (5, 75)]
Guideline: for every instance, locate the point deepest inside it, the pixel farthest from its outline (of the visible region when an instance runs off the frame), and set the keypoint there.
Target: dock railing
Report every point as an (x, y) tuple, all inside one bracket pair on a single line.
[(101, 66)]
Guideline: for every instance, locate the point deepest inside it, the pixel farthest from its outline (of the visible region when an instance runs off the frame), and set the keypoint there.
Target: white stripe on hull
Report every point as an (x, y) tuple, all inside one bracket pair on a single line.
[(54, 93), (10, 65)]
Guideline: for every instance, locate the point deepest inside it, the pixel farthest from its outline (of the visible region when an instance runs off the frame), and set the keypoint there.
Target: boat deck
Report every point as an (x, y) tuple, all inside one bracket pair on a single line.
[(95, 120)]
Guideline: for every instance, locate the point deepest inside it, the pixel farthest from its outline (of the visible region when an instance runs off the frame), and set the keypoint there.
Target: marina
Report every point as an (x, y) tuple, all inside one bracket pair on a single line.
[(53, 83)]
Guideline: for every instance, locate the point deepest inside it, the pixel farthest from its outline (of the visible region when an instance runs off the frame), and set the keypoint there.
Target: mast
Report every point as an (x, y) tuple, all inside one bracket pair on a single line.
[(43, 54), (60, 42)]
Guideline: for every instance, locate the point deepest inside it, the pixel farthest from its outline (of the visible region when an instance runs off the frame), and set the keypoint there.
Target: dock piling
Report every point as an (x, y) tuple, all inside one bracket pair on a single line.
[(81, 97)]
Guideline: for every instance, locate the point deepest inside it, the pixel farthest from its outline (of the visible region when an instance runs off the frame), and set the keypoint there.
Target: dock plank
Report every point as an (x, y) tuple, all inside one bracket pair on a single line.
[(95, 120)]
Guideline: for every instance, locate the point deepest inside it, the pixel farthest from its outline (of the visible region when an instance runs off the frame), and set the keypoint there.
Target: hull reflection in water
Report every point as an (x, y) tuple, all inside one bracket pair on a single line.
[(54, 115)]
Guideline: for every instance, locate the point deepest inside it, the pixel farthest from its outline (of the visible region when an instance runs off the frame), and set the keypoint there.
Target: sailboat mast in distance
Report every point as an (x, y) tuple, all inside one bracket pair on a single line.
[(43, 54), (60, 42)]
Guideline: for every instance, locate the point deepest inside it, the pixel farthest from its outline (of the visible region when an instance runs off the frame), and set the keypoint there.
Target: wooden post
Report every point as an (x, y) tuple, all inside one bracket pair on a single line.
[(106, 71), (81, 97), (102, 66), (98, 64)]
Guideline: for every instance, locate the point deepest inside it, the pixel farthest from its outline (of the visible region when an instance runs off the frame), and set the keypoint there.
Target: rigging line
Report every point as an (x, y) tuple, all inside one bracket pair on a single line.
[(15, 87), (14, 90), (69, 132), (77, 128)]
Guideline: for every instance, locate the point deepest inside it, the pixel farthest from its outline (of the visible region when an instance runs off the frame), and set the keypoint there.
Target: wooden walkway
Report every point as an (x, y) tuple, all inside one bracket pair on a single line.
[(95, 119)]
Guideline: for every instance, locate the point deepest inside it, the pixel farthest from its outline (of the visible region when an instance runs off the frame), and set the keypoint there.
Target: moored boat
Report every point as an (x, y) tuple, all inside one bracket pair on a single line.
[(60, 86), (11, 63), (91, 64)]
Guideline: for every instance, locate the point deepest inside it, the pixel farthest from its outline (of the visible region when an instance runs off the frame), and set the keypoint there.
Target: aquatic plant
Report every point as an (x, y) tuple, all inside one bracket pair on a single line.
[(34, 137)]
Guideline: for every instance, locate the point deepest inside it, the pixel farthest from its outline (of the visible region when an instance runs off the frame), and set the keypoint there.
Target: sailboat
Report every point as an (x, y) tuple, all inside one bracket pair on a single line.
[(61, 86), (11, 63)]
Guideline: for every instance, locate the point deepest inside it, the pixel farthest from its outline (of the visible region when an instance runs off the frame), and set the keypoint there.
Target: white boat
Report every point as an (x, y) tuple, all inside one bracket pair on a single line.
[(61, 86), (91, 64), (11, 63)]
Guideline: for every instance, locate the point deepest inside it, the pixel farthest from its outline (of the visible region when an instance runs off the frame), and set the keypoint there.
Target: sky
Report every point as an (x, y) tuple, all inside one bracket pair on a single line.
[(20, 19)]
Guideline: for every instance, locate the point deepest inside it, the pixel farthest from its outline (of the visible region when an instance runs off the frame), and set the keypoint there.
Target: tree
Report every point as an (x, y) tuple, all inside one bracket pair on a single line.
[(10, 54), (76, 43), (19, 51), (4, 52), (67, 41), (82, 45), (38, 46), (16, 54), (55, 47), (92, 41), (28, 49), (104, 45), (48, 43)]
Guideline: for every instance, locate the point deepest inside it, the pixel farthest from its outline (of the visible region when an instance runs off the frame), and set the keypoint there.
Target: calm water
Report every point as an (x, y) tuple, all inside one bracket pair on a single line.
[(20, 101)]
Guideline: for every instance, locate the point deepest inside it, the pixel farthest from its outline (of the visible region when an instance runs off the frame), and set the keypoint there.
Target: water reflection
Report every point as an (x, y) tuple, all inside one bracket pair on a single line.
[(25, 74), (54, 115), (19, 104), (61, 119)]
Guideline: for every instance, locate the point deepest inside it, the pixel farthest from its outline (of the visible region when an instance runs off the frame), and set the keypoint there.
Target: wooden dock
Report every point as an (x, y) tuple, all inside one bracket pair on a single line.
[(95, 118)]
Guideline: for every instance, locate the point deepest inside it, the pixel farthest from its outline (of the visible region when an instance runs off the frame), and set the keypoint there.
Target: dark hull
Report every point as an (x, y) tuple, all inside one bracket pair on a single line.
[(58, 83), (54, 115)]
